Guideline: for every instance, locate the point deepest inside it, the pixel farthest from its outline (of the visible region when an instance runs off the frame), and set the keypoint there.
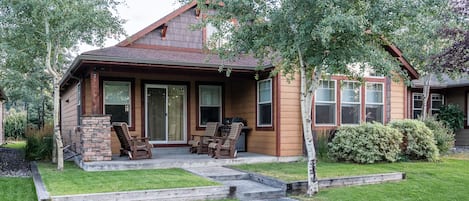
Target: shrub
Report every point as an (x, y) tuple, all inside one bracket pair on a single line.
[(444, 137), (39, 144), (15, 124), (366, 143), (452, 116), (418, 141)]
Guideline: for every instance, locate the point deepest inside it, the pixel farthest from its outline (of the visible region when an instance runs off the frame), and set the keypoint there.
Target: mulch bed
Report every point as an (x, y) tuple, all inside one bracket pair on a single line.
[(13, 164)]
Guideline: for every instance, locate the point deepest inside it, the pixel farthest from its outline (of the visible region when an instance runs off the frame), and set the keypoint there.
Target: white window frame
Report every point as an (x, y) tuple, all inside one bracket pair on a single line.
[(220, 106), (413, 103), (327, 102), (79, 105), (130, 98), (382, 98), (351, 103), (264, 102), (431, 101)]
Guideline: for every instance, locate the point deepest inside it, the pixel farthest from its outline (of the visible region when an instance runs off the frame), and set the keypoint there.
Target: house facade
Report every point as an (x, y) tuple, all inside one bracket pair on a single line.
[(166, 86), (443, 91), (2, 132)]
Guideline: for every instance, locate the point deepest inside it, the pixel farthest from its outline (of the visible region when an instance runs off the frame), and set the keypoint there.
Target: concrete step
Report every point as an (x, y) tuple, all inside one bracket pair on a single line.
[(251, 190), (219, 173), (278, 199)]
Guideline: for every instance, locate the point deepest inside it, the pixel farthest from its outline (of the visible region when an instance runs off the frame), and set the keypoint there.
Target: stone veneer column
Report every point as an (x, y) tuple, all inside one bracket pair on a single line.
[(96, 138)]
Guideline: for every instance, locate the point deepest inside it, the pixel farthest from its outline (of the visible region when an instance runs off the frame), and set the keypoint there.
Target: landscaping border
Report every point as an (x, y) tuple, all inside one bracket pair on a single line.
[(191, 193), (301, 186)]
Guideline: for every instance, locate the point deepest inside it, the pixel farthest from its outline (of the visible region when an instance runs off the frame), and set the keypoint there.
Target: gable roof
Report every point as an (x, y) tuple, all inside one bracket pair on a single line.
[(445, 81), (157, 24), (397, 53)]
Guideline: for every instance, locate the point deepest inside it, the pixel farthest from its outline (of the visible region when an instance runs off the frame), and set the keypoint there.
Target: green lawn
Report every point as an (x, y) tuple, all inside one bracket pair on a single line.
[(15, 145), (73, 180), (445, 180), (17, 189)]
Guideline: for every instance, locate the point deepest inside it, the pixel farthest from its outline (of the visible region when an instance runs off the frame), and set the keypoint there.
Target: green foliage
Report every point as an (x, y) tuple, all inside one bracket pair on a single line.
[(366, 143), (418, 141), (38, 147), (444, 137), (452, 116), (322, 140), (15, 124)]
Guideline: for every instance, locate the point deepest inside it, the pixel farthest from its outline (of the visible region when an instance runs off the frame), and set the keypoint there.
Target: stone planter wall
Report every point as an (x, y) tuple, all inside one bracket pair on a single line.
[(96, 138)]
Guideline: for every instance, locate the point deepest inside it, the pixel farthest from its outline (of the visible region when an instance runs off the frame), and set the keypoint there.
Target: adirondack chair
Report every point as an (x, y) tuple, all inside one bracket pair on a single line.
[(134, 147), (226, 146), (199, 143)]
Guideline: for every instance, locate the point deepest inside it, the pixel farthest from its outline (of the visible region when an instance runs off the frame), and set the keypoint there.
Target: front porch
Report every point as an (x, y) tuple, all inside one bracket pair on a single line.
[(177, 157)]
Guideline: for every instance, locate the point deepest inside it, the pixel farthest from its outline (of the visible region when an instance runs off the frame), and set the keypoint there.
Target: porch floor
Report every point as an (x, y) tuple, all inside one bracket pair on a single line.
[(178, 157)]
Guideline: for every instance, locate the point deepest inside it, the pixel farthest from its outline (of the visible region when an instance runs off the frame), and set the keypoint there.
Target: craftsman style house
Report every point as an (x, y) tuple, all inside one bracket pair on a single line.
[(166, 87)]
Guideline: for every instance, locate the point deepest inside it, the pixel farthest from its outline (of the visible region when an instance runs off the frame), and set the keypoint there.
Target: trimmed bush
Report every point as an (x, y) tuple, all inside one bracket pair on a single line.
[(418, 142), (366, 143), (444, 137), (452, 116)]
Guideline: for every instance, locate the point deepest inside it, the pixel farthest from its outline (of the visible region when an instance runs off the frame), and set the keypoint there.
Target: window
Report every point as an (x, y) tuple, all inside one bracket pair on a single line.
[(325, 103), (417, 105), (78, 103), (437, 102), (117, 101), (210, 104), (350, 102), (264, 103), (374, 102)]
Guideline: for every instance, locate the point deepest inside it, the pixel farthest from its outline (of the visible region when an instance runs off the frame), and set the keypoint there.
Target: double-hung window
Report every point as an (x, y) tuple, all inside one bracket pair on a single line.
[(78, 88), (417, 105), (210, 104), (437, 102), (264, 103), (325, 103), (117, 101), (374, 102), (350, 102)]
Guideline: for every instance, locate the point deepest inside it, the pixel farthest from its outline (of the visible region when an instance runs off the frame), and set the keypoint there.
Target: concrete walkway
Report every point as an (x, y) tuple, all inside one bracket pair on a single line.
[(246, 189)]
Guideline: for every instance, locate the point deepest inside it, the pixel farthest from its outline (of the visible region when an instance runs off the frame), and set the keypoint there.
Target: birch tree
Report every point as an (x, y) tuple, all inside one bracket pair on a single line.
[(313, 39), (44, 32)]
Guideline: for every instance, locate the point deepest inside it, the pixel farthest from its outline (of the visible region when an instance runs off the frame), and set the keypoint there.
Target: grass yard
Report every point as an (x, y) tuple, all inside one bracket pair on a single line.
[(17, 189), (74, 180), (445, 180), (15, 145)]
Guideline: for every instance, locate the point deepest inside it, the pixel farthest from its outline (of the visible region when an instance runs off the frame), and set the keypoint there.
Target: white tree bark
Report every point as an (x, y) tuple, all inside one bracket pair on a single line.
[(308, 86), (51, 66), (426, 95)]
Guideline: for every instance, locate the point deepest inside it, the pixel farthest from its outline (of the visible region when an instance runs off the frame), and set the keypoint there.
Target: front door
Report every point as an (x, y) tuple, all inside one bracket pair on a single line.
[(165, 109)]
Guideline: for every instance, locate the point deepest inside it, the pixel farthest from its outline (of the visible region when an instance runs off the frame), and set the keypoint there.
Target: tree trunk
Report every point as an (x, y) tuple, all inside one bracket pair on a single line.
[(57, 134), (306, 100), (426, 95)]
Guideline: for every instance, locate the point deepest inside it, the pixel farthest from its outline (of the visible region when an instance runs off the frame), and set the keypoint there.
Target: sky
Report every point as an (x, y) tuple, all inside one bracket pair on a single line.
[(138, 15)]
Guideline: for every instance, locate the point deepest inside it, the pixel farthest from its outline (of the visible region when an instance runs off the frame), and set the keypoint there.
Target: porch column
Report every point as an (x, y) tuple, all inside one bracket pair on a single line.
[(95, 138), (95, 106)]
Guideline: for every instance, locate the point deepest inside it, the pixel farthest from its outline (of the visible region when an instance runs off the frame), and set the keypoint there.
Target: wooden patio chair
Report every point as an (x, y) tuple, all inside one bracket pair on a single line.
[(199, 143), (226, 146), (134, 147)]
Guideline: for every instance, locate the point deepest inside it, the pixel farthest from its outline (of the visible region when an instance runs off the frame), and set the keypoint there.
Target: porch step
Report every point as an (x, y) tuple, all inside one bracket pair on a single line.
[(219, 173), (251, 190)]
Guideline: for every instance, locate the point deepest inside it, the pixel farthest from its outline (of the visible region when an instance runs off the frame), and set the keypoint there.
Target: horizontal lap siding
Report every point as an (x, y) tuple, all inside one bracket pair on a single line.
[(291, 138), (398, 105), (69, 117)]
